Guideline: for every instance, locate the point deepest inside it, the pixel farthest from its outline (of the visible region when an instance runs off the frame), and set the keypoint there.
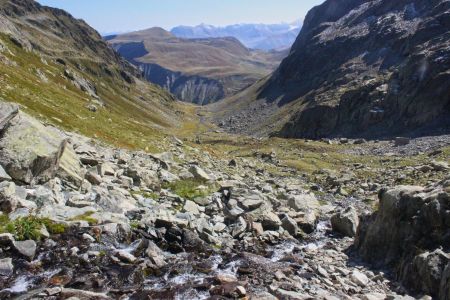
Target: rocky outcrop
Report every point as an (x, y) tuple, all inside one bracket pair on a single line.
[(189, 88), (386, 73), (360, 68), (200, 71), (411, 233), (31, 152)]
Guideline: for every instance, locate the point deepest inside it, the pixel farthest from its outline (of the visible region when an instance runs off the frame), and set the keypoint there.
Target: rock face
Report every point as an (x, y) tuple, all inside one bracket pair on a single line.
[(200, 71), (361, 68), (345, 222), (411, 233), (31, 152)]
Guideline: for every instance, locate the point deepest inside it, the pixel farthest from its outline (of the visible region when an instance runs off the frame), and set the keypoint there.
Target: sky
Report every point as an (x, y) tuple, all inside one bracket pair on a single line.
[(110, 16)]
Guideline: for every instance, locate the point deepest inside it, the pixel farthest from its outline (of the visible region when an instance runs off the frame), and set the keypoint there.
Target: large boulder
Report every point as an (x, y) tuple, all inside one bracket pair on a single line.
[(7, 113), (345, 222), (410, 233), (33, 153)]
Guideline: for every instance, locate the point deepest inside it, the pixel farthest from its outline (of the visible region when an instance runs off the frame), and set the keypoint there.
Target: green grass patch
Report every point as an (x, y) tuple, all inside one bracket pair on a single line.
[(188, 188), (29, 228), (86, 217), (149, 195)]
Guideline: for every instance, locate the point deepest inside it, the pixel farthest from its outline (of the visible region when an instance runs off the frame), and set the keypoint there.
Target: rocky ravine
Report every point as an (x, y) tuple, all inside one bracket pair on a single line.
[(87, 221)]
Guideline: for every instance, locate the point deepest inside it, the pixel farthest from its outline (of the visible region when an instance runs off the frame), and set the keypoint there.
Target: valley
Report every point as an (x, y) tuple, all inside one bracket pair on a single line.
[(326, 177), (199, 71)]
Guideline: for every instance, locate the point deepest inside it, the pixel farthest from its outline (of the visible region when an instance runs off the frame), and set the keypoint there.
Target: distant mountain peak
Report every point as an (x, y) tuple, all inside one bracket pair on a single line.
[(253, 36)]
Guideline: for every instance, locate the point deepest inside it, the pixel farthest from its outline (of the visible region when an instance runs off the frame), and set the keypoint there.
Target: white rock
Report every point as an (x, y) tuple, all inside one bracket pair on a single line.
[(359, 278)]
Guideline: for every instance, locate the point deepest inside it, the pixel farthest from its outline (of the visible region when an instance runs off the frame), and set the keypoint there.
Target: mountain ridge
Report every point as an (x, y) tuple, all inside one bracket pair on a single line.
[(254, 36), (381, 77), (201, 70)]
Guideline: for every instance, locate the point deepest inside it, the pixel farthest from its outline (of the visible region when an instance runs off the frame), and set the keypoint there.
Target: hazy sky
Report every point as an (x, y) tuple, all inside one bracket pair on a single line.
[(126, 15)]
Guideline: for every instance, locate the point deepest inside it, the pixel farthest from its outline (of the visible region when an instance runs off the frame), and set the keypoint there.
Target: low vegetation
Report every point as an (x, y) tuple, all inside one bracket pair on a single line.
[(190, 188), (29, 227)]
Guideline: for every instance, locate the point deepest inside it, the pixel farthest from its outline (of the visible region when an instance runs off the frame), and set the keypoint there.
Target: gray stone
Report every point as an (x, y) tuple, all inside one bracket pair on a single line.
[(125, 256), (8, 198), (290, 225), (303, 202), (93, 178), (30, 151), (345, 222), (6, 267), (359, 278), (270, 221), (7, 112), (402, 141), (3, 175), (26, 248), (199, 173), (191, 207)]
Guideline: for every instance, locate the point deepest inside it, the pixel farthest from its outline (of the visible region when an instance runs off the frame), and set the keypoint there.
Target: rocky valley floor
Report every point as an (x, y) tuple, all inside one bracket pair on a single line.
[(221, 217)]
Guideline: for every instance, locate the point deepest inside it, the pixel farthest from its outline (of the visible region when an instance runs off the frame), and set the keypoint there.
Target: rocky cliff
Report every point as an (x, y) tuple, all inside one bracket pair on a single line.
[(200, 71), (365, 68), (411, 233)]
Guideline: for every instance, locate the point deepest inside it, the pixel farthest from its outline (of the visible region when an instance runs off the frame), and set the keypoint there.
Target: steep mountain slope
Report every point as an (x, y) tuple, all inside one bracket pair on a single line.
[(196, 70), (59, 69), (253, 36), (358, 68)]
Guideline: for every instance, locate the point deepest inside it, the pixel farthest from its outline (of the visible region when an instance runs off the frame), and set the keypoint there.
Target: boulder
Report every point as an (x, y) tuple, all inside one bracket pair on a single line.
[(26, 248), (303, 202), (8, 199), (290, 225), (7, 112), (6, 267), (3, 175), (199, 173), (410, 218), (31, 152), (345, 222)]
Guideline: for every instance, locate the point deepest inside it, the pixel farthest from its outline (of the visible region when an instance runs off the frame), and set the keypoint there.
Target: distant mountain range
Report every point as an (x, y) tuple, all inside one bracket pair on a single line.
[(253, 36)]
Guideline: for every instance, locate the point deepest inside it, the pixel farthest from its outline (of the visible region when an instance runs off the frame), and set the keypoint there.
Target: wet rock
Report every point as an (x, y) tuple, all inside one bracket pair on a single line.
[(6, 267), (270, 221), (290, 225), (83, 295), (6, 239), (345, 222), (307, 221), (291, 295), (125, 256), (26, 248)]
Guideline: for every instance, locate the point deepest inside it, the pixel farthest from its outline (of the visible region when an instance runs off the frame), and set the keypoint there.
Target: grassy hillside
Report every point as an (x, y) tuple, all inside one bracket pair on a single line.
[(70, 78)]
